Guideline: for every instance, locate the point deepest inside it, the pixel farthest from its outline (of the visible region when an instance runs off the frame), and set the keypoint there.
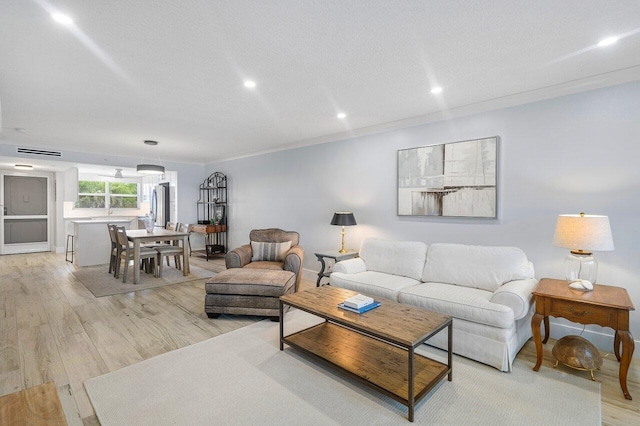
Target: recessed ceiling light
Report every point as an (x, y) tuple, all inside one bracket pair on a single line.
[(341, 115), (20, 130), (607, 41), (23, 167), (62, 19), (249, 84), (436, 90)]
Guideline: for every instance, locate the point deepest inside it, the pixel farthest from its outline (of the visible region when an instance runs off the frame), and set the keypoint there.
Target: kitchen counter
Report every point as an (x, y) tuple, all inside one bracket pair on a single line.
[(92, 244)]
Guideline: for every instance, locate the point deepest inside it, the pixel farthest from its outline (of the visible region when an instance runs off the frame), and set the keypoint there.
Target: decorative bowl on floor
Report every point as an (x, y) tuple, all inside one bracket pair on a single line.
[(577, 352)]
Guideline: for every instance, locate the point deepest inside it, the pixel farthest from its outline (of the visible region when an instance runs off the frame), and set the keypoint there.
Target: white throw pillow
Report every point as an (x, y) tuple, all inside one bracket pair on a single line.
[(482, 267), (271, 252), (404, 258)]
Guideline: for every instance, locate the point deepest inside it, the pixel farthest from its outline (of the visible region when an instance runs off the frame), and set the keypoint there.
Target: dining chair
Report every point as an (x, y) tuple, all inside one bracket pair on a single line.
[(126, 254), (114, 253), (185, 227), (168, 251)]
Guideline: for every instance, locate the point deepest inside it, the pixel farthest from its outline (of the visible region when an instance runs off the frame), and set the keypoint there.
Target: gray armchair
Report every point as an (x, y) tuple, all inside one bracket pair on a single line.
[(292, 261)]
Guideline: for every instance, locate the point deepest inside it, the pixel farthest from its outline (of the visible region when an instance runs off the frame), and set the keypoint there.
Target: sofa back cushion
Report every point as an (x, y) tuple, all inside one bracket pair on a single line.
[(482, 267), (404, 258)]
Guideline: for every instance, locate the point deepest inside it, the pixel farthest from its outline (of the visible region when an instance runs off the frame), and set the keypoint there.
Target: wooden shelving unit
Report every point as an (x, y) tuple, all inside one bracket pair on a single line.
[(212, 214)]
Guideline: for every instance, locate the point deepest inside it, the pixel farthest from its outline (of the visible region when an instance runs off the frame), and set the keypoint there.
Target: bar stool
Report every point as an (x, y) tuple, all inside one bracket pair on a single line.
[(71, 229)]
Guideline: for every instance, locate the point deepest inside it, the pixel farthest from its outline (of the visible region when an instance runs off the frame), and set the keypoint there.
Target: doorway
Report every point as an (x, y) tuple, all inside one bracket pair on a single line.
[(24, 212)]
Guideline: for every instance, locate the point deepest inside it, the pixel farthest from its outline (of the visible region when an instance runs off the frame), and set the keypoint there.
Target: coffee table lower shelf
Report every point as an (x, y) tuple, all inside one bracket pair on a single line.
[(353, 353)]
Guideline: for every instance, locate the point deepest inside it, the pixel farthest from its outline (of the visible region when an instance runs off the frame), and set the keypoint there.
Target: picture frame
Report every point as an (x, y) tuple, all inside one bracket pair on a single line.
[(455, 179)]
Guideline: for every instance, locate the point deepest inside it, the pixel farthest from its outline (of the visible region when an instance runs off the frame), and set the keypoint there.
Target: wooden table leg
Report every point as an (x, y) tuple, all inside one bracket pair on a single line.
[(535, 328), (136, 261), (185, 258), (627, 352), (546, 330), (616, 346)]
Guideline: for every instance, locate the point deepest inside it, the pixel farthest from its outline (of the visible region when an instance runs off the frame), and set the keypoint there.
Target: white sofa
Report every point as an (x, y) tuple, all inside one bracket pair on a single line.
[(487, 290)]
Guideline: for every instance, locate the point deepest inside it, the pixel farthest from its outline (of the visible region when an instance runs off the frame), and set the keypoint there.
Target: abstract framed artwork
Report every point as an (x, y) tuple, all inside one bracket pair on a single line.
[(456, 179)]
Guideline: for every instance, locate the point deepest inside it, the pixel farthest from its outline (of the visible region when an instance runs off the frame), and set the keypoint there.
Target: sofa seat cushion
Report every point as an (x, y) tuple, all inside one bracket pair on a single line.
[(466, 303), (374, 284), (482, 267), (403, 258)]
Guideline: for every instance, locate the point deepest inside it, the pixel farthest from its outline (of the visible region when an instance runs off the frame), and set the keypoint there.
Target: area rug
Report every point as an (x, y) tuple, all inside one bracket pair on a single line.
[(101, 283), (242, 378)]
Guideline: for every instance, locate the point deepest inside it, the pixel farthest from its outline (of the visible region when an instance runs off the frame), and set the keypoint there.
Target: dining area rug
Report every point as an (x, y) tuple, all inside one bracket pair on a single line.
[(100, 282)]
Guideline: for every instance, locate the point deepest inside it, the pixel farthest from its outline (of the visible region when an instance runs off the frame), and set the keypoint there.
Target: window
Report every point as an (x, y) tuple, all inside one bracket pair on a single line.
[(91, 194), (110, 195), (123, 195)]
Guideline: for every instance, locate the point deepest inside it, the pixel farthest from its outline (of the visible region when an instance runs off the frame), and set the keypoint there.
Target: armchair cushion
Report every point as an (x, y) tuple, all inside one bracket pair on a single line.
[(274, 235), (271, 252)]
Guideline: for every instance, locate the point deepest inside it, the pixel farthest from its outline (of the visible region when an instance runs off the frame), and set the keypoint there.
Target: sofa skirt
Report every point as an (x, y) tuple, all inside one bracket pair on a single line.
[(488, 345)]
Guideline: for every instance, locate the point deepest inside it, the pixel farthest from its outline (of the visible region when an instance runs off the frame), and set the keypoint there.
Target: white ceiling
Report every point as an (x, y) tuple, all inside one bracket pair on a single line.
[(173, 71)]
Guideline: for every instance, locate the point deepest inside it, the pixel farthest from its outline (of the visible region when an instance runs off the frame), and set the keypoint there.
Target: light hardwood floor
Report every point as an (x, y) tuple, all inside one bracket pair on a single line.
[(53, 328)]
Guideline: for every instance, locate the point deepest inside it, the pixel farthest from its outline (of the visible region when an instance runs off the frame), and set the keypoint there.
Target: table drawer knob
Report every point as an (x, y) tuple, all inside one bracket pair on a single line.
[(579, 313)]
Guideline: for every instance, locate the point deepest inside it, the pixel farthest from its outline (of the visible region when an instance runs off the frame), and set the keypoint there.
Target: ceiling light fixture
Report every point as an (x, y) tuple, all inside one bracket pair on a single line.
[(150, 169), (20, 130), (436, 90), (23, 167), (62, 19), (607, 41), (341, 115), (250, 84)]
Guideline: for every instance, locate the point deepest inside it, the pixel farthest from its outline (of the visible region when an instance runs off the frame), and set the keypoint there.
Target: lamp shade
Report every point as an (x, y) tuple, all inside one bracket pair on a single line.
[(147, 168), (582, 232), (343, 219), (150, 169)]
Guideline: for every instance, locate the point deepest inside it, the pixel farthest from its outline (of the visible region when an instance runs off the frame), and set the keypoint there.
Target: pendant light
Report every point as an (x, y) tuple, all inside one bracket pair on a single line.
[(150, 169)]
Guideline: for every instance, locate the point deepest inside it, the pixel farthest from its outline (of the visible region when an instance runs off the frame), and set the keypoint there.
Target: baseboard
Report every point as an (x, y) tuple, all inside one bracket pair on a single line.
[(309, 275), (602, 341)]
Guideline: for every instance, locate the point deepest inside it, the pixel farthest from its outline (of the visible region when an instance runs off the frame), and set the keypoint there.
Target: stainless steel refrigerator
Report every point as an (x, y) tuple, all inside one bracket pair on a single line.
[(160, 205)]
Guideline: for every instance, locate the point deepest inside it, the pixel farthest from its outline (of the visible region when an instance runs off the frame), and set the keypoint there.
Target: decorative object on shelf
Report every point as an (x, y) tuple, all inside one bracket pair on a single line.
[(343, 219), (456, 179), (212, 212), (150, 169), (577, 352), (218, 214), (582, 234)]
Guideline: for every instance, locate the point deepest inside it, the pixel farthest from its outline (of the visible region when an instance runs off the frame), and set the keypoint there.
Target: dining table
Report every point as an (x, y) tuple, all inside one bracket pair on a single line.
[(138, 236)]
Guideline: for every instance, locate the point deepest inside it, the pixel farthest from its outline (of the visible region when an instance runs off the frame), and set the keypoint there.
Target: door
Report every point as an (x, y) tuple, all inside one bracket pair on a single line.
[(24, 212)]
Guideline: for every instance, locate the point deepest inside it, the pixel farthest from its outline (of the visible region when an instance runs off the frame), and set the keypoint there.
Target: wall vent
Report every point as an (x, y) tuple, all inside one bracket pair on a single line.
[(40, 152)]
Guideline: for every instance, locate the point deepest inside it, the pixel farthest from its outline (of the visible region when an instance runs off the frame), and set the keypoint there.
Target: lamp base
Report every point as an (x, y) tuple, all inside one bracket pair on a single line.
[(581, 266)]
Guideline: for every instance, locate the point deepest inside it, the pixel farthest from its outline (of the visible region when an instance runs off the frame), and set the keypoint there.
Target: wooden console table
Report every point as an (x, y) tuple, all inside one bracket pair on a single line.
[(215, 237), (607, 306)]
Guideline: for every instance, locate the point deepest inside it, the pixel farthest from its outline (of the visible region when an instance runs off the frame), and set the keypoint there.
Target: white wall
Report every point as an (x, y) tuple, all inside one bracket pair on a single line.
[(565, 155)]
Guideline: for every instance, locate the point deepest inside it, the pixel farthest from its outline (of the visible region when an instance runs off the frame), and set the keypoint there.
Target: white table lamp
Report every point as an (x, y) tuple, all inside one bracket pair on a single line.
[(583, 234)]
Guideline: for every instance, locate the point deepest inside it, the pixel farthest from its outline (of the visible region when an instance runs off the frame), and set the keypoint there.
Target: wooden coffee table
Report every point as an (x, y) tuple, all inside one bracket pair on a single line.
[(359, 343)]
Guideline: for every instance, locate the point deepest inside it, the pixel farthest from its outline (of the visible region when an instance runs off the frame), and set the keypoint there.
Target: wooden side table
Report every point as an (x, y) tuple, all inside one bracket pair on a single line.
[(607, 306), (336, 256)]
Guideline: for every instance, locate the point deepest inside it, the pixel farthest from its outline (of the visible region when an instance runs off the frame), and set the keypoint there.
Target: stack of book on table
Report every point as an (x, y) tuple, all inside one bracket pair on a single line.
[(359, 304)]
